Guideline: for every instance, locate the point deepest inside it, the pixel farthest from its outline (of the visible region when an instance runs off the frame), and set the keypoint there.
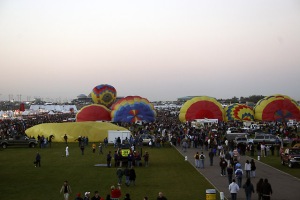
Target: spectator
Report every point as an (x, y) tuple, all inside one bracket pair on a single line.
[(223, 165), (119, 175), (115, 192), (66, 189), (96, 196), (86, 196), (197, 160), (161, 196), (127, 196), (229, 173), (146, 159), (233, 189), (239, 175), (259, 189), (266, 190), (108, 159), (132, 176), (38, 160), (247, 169), (253, 168), (249, 189), (78, 197)]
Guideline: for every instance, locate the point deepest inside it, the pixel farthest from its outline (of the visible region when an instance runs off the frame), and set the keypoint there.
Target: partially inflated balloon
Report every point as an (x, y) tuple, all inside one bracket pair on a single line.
[(277, 108), (200, 108), (93, 112), (131, 109), (238, 112)]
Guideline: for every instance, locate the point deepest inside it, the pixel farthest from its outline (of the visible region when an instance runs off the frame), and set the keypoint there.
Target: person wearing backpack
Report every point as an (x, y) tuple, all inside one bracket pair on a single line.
[(197, 160), (202, 158), (239, 175)]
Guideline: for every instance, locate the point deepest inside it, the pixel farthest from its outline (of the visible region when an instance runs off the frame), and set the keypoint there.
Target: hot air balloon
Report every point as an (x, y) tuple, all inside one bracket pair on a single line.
[(132, 109), (93, 112), (104, 94), (202, 107), (277, 108), (238, 112)]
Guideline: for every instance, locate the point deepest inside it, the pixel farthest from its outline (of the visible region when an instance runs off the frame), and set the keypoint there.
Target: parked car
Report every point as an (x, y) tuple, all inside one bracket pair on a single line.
[(239, 140), (145, 138), (266, 138), (18, 141), (290, 156)]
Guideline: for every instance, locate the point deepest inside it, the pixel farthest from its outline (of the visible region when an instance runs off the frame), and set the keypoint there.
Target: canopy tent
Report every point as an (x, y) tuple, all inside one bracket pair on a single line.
[(55, 108), (95, 131)]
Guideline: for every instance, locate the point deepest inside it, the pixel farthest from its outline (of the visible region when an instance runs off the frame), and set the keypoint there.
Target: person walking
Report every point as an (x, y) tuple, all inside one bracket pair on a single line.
[(197, 160), (239, 175), (119, 175), (38, 160), (66, 139), (211, 157), (249, 189), (247, 168), (229, 173), (202, 158), (223, 165), (66, 190), (86, 196), (82, 147), (266, 190), (259, 189), (132, 176), (233, 189), (253, 168)]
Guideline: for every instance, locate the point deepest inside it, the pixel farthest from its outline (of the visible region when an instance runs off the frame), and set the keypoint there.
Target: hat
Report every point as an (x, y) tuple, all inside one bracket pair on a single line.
[(78, 194), (86, 193)]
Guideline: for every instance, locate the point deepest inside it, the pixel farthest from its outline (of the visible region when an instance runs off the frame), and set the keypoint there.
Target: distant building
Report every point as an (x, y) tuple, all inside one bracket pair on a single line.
[(186, 98)]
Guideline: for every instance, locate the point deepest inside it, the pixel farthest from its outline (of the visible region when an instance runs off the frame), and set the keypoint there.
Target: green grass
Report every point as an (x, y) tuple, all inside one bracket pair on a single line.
[(275, 162), (167, 172)]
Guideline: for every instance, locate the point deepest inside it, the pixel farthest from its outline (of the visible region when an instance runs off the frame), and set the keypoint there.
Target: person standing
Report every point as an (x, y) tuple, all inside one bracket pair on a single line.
[(38, 160), (78, 197), (266, 190), (146, 159), (259, 189), (233, 189), (67, 151), (100, 149), (197, 160), (247, 169), (86, 196), (202, 158), (94, 147), (108, 159), (127, 176), (66, 138), (82, 147), (66, 189), (249, 189), (161, 196), (96, 196)]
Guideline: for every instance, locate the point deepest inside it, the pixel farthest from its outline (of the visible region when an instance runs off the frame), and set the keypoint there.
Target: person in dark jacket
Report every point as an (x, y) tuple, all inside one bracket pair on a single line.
[(108, 159), (266, 190), (132, 176), (259, 188), (249, 189), (38, 160)]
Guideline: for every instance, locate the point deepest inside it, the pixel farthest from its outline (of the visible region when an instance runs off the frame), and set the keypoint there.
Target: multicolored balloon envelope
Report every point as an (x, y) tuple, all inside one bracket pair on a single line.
[(238, 112), (277, 108), (132, 109), (200, 108), (104, 94), (93, 112)]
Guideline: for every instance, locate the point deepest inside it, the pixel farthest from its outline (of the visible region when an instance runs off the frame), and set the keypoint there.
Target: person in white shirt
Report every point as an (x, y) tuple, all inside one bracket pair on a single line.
[(247, 168), (67, 151), (233, 189)]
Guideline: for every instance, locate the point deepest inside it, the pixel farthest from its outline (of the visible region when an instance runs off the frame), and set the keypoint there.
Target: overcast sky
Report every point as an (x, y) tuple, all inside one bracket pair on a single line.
[(158, 49)]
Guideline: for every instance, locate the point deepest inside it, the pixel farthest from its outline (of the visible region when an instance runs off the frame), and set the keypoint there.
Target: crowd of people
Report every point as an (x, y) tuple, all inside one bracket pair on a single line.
[(168, 129)]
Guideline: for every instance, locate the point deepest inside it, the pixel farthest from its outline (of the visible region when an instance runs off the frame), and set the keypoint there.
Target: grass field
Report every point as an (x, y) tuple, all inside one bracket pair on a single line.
[(167, 172)]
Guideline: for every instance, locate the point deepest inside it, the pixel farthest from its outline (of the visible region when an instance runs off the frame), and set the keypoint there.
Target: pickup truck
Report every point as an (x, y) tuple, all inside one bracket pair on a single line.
[(290, 156), (18, 141)]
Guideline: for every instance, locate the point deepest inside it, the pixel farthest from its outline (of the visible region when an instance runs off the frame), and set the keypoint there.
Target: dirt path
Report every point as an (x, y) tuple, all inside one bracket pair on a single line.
[(285, 186)]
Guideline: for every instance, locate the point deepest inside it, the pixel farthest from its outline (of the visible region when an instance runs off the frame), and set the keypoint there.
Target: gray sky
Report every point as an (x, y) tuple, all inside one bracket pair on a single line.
[(159, 49)]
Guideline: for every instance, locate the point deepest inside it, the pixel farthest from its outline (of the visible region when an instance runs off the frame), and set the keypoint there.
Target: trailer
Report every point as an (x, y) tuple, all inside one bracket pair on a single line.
[(113, 134)]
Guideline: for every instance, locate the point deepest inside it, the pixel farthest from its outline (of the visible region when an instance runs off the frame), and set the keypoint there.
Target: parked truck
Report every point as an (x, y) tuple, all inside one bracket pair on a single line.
[(112, 135)]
